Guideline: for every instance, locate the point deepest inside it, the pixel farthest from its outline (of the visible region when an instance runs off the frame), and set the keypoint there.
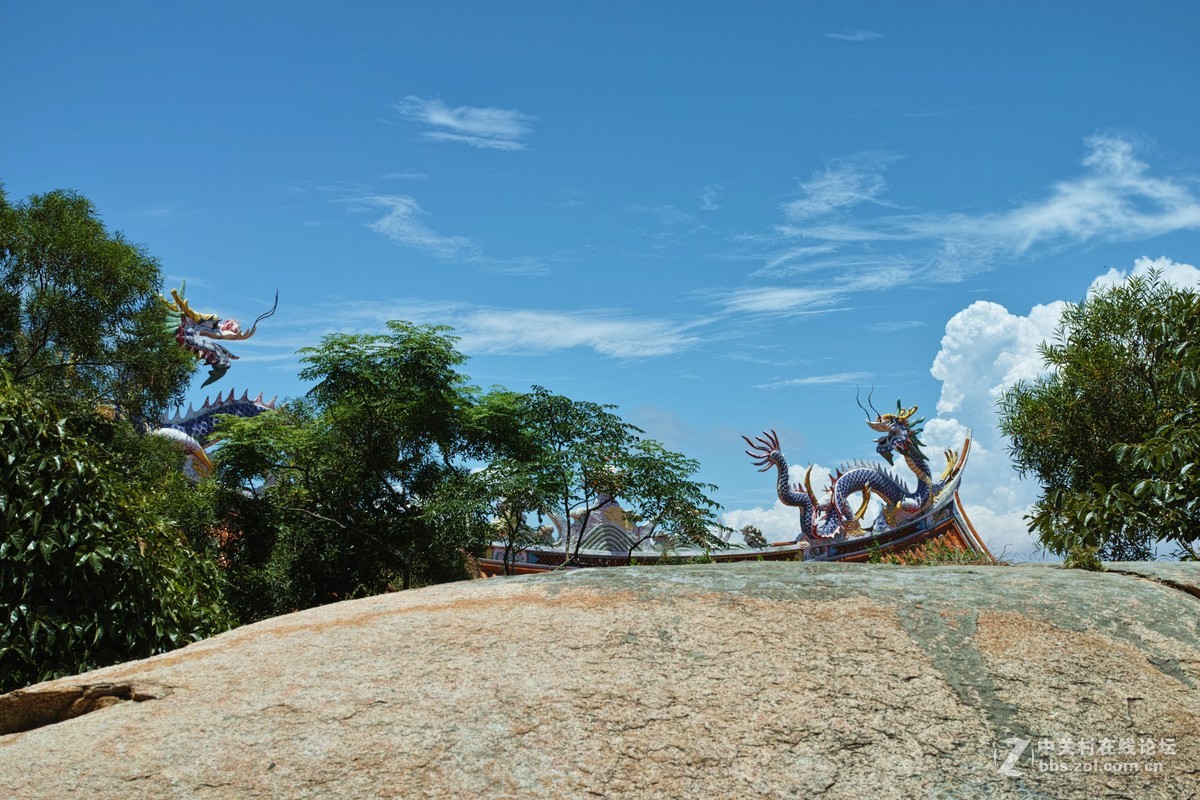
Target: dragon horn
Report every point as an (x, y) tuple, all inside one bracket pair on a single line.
[(812, 496), (872, 405), (184, 308), (906, 415)]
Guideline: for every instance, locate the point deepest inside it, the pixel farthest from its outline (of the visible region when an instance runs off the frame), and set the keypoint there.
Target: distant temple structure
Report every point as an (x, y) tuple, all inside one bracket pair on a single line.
[(830, 528)]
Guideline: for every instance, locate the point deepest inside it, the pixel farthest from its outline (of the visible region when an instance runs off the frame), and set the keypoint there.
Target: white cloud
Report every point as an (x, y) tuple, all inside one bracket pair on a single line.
[(1181, 275), (807, 299), (1116, 197), (710, 197), (776, 299), (817, 380), (986, 349), (487, 128), (404, 224), (855, 35), (485, 329), (844, 184), (531, 331)]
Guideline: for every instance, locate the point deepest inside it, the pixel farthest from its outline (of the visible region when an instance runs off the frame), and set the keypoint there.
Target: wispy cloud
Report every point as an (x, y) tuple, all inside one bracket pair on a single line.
[(404, 224), (837, 378), (855, 35), (776, 299), (842, 185), (160, 210), (843, 212), (487, 128), (710, 197), (610, 333), (488, 329), (810, 299), (1115, 199)]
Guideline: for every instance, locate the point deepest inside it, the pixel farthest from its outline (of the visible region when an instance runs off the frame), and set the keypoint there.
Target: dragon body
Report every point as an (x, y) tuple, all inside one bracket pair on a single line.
[(831, 516), (193, 429)]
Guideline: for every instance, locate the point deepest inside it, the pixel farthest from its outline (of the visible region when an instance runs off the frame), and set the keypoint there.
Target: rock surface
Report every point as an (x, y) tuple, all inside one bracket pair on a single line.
[(736, 680)]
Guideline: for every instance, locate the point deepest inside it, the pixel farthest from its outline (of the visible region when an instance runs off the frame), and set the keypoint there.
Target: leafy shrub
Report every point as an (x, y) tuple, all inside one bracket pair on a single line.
[(90, 573), (1082, 556)]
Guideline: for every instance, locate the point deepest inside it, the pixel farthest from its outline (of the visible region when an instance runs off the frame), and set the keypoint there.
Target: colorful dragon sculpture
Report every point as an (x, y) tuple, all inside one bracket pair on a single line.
[(832, 517), (193, 430), (202, 334)]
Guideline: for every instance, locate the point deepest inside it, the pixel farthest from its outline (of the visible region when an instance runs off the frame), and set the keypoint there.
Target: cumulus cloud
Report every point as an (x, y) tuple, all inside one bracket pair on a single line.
[(486, 128), (1181, 275), (986, 349)]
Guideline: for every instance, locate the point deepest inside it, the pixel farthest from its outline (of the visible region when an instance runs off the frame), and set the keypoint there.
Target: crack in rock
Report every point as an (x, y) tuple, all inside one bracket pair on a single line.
[(24, 711)]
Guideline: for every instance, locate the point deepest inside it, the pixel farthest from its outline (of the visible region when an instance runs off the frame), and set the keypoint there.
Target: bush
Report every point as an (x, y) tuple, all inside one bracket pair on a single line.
[(90, 573), (1082, 556)]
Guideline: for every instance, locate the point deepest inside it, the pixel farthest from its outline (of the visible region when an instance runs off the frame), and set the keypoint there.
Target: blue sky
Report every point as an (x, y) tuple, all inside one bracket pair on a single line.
[(720, 217)]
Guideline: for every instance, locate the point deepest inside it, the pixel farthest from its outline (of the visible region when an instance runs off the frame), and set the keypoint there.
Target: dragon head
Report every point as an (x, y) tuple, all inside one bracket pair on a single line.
[(900, 433)]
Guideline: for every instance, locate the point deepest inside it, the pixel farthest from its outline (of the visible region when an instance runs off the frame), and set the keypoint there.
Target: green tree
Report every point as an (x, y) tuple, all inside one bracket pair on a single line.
[(583, 455), (514, 493), (91, 573), (363, 485), (1111, 430), (659, 491), (578, 446), (80, 318)]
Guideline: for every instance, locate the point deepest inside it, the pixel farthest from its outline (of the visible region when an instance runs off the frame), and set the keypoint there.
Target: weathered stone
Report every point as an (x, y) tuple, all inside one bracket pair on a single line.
[(736, 680)]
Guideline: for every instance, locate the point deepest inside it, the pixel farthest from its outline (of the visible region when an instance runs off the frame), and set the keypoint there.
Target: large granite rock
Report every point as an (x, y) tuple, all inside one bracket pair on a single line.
[(739, 680)]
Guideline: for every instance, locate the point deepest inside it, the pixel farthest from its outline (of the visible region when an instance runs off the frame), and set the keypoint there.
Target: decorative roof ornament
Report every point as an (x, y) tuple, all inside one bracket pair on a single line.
[(202, 334)]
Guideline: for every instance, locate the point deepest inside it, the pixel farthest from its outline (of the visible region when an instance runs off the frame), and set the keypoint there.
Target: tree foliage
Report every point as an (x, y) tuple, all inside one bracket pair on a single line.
[(358, 487), (659, 490), (1111, 431), (90, 572), (80, 319), (578, 445), (580, 455)]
